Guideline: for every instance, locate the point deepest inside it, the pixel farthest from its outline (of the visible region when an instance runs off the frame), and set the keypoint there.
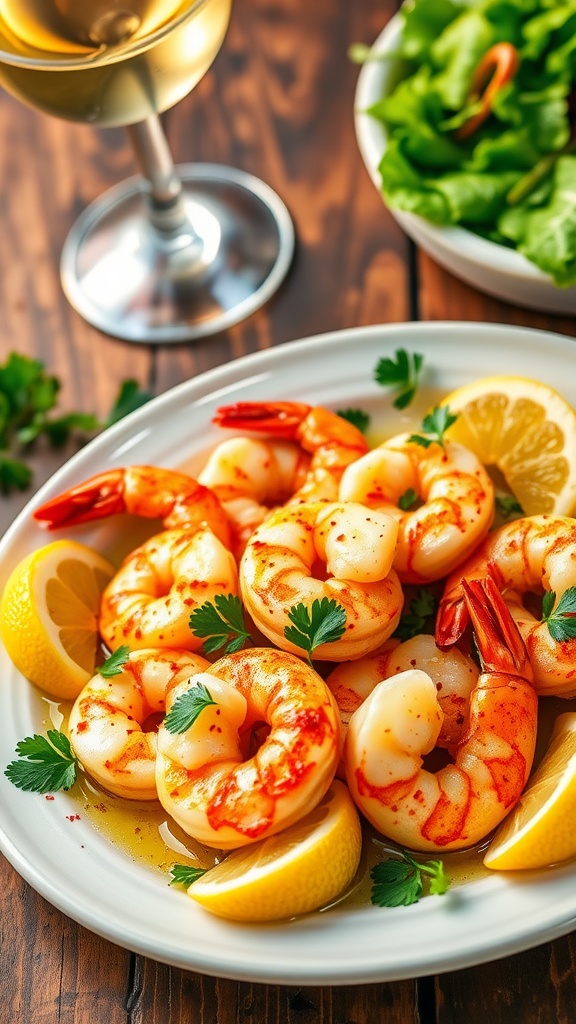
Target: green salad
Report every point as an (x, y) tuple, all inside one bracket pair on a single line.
[(481, 127)]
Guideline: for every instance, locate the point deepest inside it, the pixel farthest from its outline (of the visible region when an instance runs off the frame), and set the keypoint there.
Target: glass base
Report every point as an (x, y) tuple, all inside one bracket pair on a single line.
[(139, 284)]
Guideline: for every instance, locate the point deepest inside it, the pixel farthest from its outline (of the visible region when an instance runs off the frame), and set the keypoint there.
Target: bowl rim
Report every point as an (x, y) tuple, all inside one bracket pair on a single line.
[(372, 139)]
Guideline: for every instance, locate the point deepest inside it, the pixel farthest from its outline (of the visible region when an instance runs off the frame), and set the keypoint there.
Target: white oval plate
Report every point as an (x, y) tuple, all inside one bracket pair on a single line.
[(98, 885)]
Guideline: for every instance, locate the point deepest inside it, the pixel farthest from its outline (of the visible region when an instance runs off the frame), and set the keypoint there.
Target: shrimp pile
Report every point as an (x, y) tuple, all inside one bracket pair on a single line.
[(295, 512)]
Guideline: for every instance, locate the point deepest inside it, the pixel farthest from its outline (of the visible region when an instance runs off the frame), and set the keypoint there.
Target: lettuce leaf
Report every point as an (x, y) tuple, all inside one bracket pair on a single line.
[(426, 170), (547, 235)]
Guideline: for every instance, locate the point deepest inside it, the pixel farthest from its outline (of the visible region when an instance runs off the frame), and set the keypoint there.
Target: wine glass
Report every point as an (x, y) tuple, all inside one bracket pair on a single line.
[(172, 254)]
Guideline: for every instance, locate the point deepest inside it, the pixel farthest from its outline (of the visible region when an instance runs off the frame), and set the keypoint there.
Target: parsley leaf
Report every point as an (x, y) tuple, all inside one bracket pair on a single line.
[(434, 425), (508, 506), (439, 880), (396, 884), (323, 623), (413, 621), (400, 374), (408, 499), (130, 397), (561, 621), (222, 621), (14, 475), (357, 417), (185, 874), (114, 664), (187, 707), (47, 763), (28, 396), (398, 881)]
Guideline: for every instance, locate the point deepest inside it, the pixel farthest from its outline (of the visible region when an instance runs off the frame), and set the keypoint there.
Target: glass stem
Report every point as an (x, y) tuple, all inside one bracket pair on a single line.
[(164, 193)]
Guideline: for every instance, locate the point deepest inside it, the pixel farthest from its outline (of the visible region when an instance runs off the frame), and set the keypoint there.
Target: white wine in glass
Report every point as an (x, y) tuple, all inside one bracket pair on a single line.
[(174, 253)]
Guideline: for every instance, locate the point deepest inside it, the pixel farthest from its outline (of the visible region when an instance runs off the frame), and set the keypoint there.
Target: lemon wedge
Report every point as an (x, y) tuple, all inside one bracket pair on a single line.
[(299, 870), (540, 830), (49, 615), (525, 429)]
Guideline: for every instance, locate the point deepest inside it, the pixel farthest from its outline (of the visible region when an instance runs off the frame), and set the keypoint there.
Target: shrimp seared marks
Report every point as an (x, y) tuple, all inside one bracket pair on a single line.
[(108, 722), (332, 441), (149, 600), (456, 498), (529, 556), (251, 476), (311, 551), (177, 499), (206, 782), (400, 721)]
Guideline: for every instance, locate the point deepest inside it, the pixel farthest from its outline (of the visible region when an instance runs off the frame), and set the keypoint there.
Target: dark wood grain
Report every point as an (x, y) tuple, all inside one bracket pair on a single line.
[(277, 102)]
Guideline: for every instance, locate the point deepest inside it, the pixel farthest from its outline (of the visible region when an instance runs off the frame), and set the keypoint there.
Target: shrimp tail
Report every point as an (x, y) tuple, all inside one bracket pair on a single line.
[(280, 419), (500, 645), (453, 618), (452, 621), (96, 498)]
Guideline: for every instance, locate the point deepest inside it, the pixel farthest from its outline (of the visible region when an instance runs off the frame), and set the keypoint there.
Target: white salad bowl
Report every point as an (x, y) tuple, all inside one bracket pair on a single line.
[(486, 265)]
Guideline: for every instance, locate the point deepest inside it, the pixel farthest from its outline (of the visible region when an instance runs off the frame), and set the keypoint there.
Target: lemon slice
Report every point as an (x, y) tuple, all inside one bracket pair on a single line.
[(299, 870), (49, 615), (540, 830), (525, 429)]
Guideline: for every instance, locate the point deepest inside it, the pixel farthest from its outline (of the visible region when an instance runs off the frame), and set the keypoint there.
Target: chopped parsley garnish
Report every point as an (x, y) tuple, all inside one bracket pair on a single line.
[(114, 664), (408, 499), (434, 425), (508, 506), (187, 707), (561, 621), (398, 882), (323, 623), (46, 763), (185, 874), (222, 622), (400, 375), (357, 417), (413, 621)]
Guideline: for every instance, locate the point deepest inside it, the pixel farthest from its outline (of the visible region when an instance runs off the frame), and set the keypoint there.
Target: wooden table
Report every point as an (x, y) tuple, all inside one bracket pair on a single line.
[(278, 103)]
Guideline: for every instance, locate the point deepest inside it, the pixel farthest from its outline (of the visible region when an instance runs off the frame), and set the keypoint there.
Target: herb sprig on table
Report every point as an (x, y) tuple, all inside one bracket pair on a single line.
[(28, 398)]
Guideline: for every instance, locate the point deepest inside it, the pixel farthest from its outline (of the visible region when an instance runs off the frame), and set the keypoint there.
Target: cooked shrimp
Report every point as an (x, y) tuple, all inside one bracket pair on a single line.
[(149, 601), (453, 673), (175, 498), (108, 722), (250, 477), (312, 551), (399, 722), (533, 555), (455, 496), (206, 781), (332, 441)]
